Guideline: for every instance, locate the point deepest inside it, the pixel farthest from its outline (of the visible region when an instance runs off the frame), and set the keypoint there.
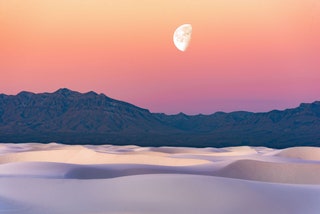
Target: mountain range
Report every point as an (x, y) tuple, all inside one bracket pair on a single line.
[(70, 117)]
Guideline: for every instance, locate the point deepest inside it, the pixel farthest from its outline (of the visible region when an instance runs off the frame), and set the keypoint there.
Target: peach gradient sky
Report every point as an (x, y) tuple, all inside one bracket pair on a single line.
[(254, 55)]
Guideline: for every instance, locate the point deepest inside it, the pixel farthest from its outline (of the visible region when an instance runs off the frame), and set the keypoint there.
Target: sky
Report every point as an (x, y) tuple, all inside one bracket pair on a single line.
[(252, 55)]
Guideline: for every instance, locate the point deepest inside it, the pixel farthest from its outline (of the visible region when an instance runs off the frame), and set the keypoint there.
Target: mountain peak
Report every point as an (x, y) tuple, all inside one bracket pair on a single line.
[(308, 105), (25, 93), (65, 91), (91, 93)]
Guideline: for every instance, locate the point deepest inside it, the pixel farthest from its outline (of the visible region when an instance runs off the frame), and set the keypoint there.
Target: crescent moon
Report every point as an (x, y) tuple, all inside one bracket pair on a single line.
[(182, 36)]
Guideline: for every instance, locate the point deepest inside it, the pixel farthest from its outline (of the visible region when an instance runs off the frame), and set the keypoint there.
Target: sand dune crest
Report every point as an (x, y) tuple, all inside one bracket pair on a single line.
[(305, 153)]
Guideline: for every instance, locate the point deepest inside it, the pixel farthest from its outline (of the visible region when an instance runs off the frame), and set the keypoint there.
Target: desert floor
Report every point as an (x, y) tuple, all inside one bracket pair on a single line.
[(53, 178)]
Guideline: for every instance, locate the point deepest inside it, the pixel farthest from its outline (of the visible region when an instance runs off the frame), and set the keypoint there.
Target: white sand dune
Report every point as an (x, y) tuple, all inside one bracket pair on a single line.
[(158, 194), (304, 153), (57, 179), (83, 155), (293, 173), (77, 171)]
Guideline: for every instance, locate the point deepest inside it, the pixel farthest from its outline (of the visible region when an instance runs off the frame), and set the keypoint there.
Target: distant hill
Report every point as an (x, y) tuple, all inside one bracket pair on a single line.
[(71, 117)]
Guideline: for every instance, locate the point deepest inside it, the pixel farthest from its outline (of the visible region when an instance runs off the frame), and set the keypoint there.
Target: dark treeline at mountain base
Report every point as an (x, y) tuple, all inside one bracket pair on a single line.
[(71, 117)]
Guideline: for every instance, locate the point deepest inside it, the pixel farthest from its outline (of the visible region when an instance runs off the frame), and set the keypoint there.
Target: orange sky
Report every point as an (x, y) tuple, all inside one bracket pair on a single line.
[(252, 55)]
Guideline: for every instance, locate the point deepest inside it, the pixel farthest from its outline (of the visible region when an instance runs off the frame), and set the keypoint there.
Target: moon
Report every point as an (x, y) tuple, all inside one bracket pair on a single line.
[(182, 36)]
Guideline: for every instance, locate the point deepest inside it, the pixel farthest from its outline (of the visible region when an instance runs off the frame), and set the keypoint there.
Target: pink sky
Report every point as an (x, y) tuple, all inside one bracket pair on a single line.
[(254, 55)]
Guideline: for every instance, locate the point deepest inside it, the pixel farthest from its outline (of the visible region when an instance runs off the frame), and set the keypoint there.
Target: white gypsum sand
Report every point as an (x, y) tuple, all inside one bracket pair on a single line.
[(54, 178)]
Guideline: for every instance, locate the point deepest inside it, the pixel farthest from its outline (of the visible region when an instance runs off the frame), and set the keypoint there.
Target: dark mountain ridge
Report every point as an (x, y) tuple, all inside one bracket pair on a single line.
[(71, 117)]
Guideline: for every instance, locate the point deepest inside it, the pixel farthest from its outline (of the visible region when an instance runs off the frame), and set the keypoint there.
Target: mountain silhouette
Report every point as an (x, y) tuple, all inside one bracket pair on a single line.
[(71, 117)]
